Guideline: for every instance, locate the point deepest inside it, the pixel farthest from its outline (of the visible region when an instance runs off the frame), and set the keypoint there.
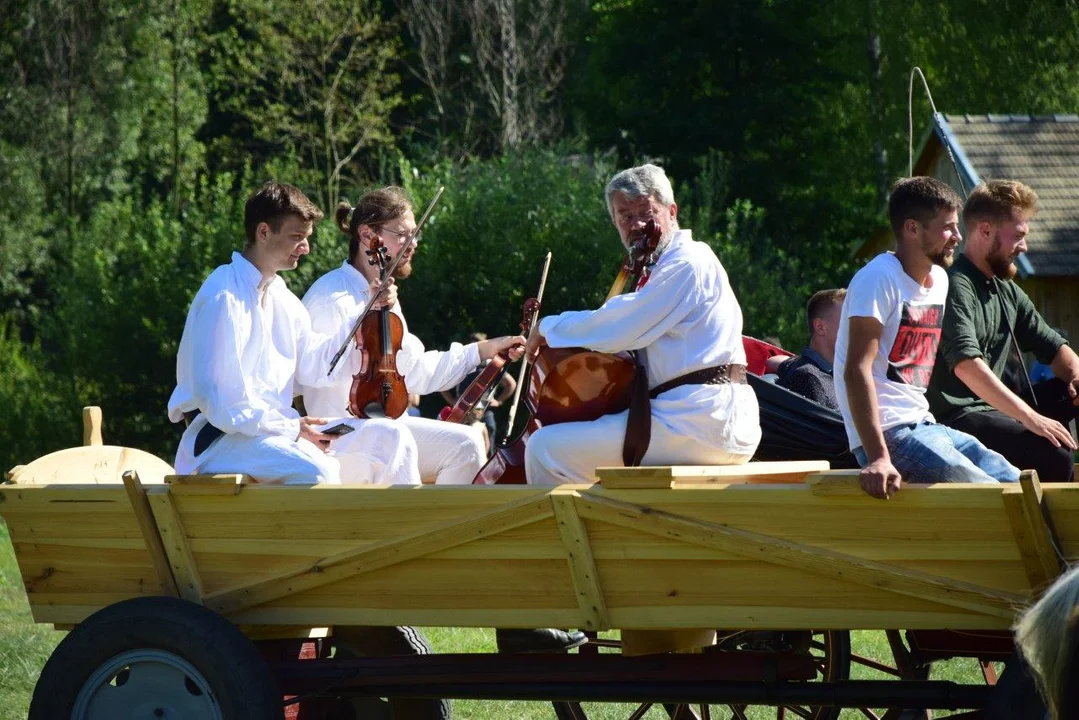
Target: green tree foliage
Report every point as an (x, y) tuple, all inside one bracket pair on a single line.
[(131, 131), (483, 249), (312, 79), (39, 412), (120, 310)]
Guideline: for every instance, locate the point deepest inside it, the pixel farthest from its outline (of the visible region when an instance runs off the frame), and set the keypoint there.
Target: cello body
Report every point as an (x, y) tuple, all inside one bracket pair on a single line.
[(566, 385)]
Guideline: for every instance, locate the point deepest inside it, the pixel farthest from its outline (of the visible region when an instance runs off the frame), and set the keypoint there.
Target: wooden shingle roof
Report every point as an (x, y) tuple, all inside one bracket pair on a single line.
[(1043, 152)]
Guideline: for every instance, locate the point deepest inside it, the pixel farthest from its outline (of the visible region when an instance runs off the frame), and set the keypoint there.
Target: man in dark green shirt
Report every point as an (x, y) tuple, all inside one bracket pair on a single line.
[(986, 316)]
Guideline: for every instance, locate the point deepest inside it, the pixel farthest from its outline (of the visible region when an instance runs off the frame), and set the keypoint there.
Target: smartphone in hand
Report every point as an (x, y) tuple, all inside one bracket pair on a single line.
[(338, 430)]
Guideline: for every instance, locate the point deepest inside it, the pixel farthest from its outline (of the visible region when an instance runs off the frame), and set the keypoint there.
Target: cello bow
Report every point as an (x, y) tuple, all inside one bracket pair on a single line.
[(524, 361)]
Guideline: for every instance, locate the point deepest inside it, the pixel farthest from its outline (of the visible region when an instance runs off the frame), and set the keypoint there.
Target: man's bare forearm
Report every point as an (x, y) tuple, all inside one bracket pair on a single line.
[(1065, 364), (977, 376), (862, 401)]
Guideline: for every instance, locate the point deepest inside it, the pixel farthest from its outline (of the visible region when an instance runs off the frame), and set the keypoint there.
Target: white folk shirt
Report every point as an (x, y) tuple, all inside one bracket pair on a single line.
[(240, 359), (685, 318), (338, 298)]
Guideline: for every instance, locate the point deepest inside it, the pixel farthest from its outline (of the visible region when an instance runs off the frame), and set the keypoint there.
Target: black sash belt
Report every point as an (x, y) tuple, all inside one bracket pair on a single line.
[(206, 435), (639, 422)]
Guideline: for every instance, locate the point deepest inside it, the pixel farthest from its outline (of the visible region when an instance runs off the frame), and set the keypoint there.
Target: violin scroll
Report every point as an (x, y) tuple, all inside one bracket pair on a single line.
[(643, 247)]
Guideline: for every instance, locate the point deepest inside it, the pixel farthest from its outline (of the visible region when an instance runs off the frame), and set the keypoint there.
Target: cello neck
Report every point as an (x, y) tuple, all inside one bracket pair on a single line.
[(619, 283)]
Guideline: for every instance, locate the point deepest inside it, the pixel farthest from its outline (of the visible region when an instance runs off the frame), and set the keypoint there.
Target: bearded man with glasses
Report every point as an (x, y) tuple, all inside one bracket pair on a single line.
[(448, 453)]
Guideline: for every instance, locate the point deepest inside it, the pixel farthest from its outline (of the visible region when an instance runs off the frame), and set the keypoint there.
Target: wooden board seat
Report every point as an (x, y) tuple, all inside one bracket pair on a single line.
[(212, 484), (628, 478)]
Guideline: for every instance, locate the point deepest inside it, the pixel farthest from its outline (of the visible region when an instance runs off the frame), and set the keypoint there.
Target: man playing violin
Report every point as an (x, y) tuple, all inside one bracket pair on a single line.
[(451, 453), (685, 324)]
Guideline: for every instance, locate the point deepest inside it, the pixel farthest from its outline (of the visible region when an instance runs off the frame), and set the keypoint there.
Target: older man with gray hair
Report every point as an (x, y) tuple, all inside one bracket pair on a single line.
[(685, 323)]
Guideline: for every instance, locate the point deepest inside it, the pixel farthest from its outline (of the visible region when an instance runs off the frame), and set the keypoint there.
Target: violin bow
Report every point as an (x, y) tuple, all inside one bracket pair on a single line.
[(524, 361), (389, 273)]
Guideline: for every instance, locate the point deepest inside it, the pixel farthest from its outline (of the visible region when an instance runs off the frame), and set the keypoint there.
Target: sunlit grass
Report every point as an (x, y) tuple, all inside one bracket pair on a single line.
[(24, 646)]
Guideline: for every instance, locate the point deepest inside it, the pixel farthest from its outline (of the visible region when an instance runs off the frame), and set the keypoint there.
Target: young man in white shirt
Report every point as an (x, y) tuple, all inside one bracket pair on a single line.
[(450, 453), (246, 341), (687, 326), (887, 345)]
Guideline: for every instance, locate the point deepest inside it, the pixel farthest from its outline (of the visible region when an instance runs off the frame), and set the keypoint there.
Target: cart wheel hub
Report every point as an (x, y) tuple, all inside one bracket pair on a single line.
[(146, 684)]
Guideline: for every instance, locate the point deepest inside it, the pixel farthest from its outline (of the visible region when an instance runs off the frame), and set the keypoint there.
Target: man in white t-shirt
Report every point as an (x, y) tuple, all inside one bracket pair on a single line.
[(887, 345)]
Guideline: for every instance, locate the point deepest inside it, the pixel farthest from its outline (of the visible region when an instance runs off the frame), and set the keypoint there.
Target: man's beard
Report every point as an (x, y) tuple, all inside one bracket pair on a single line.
[(404, 269), (1001, 265), (942, 258)]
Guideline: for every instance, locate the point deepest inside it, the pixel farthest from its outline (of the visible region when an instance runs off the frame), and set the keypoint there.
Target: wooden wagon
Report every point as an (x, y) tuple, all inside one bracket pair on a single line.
[(168, 579)]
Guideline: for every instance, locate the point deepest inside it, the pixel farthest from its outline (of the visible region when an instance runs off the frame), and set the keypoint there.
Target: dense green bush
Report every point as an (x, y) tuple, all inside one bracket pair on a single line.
[(40, 411), (121, 305), (483, 249)]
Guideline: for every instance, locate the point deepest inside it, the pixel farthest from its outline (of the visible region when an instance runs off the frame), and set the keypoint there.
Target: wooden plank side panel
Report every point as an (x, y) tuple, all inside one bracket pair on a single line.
[(396, 548), (510, 593), (229, 563), (363, 514), (79, 548), (964, 525), (752, 595), (448, 585), (611, 542), (59, 569), (519, 576), (72, 609), (779, 551), (626, 547)]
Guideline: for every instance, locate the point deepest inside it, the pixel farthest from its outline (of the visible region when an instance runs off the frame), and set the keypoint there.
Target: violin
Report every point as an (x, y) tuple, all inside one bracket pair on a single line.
[(478, 393), (378, 390), (574, 384)]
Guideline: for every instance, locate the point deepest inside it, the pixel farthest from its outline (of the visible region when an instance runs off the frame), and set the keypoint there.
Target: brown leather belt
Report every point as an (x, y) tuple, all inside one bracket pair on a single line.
[(719, 375), (639, 420)]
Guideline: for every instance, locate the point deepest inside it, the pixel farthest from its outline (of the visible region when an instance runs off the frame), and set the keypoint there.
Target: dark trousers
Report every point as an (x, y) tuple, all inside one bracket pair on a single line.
[(357, 641), (1018, 445)]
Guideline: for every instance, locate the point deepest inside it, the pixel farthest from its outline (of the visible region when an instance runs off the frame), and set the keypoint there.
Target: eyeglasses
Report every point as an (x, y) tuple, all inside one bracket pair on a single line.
[(402, 235)]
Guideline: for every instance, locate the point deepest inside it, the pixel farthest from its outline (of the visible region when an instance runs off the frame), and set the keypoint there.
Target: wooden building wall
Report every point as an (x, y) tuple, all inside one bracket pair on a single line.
[(1056, 299)]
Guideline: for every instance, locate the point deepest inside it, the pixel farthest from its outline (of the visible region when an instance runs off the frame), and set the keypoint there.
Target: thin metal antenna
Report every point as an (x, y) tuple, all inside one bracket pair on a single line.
[(938, 120)]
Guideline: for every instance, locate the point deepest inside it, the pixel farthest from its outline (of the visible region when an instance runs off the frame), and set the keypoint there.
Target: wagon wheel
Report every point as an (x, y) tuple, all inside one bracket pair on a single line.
[(911, 665), (155, 657), (831, 653)]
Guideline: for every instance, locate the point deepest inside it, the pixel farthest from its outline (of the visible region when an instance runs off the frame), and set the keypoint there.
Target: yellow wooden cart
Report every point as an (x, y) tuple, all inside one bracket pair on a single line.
[(167, 580)]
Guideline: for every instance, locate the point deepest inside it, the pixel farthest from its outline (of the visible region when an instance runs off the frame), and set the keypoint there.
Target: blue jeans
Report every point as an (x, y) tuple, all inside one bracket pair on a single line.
[(932, 453)]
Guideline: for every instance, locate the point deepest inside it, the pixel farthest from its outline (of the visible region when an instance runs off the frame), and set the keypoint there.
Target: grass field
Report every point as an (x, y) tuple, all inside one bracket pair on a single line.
[(24, 647)]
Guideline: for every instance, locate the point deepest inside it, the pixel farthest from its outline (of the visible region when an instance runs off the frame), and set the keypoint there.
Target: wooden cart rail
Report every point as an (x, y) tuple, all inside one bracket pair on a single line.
[(705, 549)]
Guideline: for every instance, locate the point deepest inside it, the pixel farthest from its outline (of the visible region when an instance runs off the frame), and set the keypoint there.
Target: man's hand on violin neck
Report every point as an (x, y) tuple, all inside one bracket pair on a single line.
[(385, 299), (515, 344), (308, 432)]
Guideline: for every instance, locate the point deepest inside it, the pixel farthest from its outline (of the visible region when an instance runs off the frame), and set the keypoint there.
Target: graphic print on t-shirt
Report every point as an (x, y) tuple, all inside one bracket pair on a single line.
[(915, 348)]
